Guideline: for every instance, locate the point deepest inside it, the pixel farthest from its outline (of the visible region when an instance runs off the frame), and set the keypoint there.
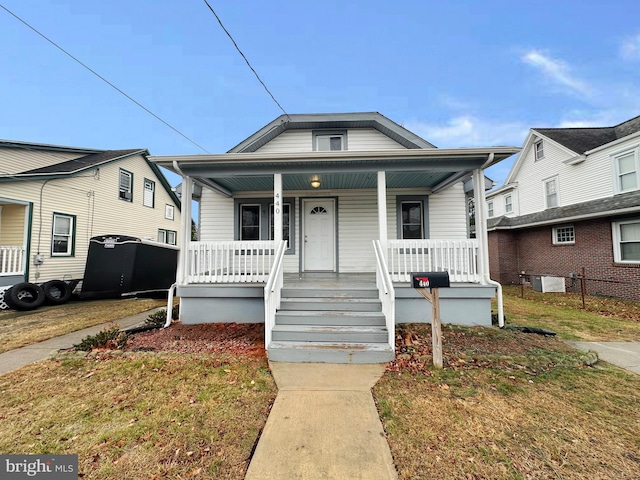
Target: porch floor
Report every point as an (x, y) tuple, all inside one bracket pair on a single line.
[(346, 281)]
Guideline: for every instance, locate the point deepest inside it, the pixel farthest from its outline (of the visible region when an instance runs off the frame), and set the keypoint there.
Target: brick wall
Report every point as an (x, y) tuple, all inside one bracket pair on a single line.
[(532, 250)]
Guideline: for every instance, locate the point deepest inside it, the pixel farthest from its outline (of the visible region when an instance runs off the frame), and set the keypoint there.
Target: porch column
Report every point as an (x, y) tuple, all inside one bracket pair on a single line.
[(185, 226), (480, 201), (382, 211), (277, 207)]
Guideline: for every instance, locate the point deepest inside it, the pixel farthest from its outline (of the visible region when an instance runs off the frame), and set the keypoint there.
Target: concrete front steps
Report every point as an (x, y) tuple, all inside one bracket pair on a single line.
[(327, 325)]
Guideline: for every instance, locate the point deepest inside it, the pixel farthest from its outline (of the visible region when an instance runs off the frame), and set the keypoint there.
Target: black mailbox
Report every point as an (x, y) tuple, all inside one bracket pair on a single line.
[(430, 279)]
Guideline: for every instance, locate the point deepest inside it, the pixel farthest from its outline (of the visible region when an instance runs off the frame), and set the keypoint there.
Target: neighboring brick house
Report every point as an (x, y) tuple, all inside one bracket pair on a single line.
[(571, 200)]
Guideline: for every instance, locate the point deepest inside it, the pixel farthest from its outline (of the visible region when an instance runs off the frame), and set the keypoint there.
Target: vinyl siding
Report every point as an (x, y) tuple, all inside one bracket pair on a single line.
[(16, 160), (499, 205), (365, 139), (12, 226), (93, 200), (448, 214)]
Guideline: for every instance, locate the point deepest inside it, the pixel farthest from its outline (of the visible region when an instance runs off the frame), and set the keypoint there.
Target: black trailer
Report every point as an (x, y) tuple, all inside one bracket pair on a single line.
[(119, 264)]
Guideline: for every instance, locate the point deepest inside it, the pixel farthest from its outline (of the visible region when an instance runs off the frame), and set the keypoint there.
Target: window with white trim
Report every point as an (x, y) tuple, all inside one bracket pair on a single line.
[(490, 211), (63, 233), (564, 235), (167, 236), (627, 166), (125, 186), (626, 241), (149, 195), (508, 204), (169, 212), (539, 149), (551, 192)]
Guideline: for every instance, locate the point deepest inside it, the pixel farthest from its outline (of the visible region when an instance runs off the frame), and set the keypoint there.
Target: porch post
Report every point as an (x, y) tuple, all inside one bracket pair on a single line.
[(277, 207), (382, 211), (185, 225), (479, 199)]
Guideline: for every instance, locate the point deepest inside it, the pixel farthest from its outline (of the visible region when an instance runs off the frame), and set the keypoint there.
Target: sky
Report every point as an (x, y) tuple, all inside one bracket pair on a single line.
[(458, 73)]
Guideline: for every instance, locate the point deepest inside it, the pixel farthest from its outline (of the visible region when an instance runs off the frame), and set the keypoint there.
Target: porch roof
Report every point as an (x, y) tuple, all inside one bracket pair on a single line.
[(431, 168)]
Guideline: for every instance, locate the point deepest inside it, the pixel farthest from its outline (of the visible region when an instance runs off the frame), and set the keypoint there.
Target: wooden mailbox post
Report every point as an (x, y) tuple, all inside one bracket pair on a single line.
[(428, 285)]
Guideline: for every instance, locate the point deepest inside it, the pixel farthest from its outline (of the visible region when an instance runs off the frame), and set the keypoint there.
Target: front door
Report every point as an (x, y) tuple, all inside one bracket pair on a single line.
[(318, 236)]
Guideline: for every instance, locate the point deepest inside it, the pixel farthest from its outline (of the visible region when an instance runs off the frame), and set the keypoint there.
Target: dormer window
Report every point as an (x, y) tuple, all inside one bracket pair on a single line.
[(539, 148), (329, 141)]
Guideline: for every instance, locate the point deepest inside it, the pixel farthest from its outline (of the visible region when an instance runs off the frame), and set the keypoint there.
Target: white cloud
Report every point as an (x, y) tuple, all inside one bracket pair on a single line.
[(557, 71), (630, 48), (469, 131)]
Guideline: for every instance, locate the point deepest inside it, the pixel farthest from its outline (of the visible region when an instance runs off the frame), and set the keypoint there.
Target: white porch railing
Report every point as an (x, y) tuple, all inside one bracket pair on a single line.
[(229, 262), (12, 261), (458, 257), (386, 293), (272, 292)]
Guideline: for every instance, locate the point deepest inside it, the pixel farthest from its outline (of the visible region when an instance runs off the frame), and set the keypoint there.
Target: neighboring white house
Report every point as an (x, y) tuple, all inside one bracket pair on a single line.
[(53, 199), (571, 200), (333, 201)]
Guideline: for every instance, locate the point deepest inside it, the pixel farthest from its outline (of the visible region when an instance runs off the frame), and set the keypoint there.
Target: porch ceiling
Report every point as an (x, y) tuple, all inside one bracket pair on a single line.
[(423, 168)]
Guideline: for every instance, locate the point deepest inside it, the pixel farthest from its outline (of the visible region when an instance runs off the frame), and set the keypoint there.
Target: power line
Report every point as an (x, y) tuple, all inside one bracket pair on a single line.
[(245, 59), (103, 79)]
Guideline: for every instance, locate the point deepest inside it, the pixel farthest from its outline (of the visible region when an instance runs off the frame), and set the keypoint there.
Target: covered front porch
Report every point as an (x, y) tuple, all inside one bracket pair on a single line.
[(301, 222), (14, 234)]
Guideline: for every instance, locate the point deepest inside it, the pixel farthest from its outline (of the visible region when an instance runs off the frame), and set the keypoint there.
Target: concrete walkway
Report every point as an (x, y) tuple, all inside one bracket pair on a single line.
[(18, 358), (622, 354), (323, 425)]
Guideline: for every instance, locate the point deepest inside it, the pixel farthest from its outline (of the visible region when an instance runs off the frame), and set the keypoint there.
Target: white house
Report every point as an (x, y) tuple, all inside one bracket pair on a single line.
[(314, 224), (53, 199), (571, 201)]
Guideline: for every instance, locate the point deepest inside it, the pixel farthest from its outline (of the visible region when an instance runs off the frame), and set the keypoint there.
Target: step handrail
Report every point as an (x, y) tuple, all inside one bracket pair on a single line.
[(386, 293), (272, 291)]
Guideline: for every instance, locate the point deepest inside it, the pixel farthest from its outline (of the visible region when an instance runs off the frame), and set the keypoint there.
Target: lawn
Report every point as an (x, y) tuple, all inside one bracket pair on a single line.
[(140, 415), (18, 329), (514, 405)]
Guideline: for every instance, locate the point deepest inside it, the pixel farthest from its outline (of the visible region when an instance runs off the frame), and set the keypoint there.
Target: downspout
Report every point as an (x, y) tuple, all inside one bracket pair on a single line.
[(483, 237), (186, 238)]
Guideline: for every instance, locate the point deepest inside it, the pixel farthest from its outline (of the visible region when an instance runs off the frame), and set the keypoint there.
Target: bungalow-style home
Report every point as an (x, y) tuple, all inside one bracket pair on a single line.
[(53, 199), (314, 224), (571, 201)]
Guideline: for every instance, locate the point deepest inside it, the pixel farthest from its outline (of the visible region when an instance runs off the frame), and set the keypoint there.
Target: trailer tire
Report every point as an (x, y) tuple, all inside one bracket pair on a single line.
[(24, 296), (56, 292)]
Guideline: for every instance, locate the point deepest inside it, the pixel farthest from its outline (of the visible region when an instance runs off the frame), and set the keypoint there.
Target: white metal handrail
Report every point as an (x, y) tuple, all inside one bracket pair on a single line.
[(458, 257), (229, 262), (272, 292), (386, 293), (12, 260)]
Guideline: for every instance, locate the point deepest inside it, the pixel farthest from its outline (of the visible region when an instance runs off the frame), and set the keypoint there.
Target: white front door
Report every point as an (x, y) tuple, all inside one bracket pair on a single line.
[(318, 236)]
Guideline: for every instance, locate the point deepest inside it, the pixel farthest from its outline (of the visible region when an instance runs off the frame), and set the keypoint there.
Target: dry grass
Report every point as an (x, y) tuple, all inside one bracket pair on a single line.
[(605, 319), (508, 405), (140, 415), (18, 329)]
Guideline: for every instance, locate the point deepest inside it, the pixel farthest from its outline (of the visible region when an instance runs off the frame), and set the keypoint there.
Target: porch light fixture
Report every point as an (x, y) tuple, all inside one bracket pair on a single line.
[(315, 182)]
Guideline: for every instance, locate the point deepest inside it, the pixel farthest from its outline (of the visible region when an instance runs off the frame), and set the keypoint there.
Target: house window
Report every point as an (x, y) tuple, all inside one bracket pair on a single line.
[(490, 212), (126, 186), (412, 217), (626, 167), (626, 238), (286, 222), (508, 204), (551, 192), (249, 222), (564, 235), (168, 212), (539, 147), (325, 141), (167, 236), (148, 198), (63, 233)]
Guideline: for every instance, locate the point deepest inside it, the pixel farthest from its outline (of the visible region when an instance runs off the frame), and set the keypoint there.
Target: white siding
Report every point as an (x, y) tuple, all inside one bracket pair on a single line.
[(216, 217), (93, 200), (291, 141), (16, 160), (448, 214), (499, 203)]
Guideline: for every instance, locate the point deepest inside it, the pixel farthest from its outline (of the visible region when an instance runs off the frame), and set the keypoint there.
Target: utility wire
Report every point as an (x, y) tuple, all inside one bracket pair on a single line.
[(245, 59), (103, 79)]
